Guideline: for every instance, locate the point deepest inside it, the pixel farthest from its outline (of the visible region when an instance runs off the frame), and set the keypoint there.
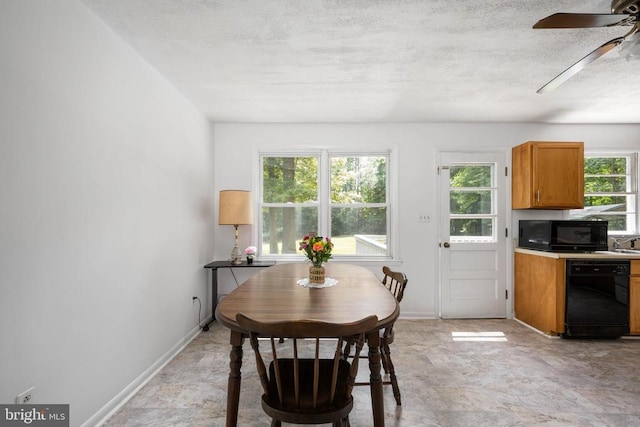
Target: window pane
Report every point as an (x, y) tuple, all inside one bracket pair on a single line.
[(619, 222), (470, 176), (358, 179), (359, 231), (616, 222), (605, 166), (471, 227), (605, 184), (470, 202), (610, 175), (283, 228), (606, 203), (290, 179)]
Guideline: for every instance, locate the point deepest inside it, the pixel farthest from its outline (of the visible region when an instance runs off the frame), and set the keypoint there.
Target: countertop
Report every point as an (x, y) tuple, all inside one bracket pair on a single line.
[(571, 255)]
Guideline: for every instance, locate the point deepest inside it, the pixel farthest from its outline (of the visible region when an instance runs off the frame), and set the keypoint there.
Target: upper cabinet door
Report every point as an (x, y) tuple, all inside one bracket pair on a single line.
[(548, 175)]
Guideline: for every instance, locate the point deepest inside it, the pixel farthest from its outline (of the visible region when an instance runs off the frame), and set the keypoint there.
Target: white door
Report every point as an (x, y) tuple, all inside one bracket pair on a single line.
[(473, 235)]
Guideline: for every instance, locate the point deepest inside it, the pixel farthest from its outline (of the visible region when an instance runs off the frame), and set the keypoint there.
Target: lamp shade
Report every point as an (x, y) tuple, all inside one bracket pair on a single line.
[(235, 207)]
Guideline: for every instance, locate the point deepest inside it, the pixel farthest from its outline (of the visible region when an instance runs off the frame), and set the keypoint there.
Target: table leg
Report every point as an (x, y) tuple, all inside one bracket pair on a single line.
[(233, 390), (377, 398), (214, 297), (214, 292)]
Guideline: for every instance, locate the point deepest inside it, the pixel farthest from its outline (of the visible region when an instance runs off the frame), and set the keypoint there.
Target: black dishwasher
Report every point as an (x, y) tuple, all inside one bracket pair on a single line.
[(597, 298)]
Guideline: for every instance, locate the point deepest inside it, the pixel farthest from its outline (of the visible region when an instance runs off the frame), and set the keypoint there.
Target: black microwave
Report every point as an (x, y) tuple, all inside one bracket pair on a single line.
[(563, 236)]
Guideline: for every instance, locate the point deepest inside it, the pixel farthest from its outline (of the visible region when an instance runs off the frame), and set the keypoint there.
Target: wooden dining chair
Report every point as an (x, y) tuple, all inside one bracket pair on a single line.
[(313, 389), (396, 283)]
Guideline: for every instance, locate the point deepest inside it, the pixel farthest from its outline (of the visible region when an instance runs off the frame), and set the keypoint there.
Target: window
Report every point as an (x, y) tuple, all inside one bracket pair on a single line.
[(344, 196), (472, 204), (359, 208), (610, 192)]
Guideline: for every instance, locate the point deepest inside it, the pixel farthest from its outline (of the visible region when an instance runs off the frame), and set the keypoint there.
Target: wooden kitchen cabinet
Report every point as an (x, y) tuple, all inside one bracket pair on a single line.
[(548, 175), (539, 292), (634, 298)]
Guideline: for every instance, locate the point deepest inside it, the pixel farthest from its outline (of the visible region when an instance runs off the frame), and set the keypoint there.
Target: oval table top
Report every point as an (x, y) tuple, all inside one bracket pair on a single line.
[(273, 294)]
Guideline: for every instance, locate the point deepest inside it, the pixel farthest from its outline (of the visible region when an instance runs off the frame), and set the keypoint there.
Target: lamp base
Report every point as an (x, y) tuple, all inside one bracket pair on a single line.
[(236, 256)]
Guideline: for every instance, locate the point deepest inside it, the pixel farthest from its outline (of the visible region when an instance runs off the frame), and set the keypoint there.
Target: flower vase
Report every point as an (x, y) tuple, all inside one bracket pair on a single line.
[(316, 274), (249, 260)]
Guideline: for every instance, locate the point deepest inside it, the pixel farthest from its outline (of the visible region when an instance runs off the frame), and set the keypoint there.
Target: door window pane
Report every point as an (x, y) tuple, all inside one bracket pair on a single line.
[(472, 202), (470, 176), (462, 227)]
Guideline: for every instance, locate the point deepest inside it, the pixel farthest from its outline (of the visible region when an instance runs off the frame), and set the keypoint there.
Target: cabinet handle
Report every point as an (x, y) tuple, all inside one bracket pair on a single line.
[(538, 196)]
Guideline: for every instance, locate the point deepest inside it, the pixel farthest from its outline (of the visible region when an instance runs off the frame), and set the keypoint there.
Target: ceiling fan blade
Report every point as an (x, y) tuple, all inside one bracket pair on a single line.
[(584, 20), (578, 66)]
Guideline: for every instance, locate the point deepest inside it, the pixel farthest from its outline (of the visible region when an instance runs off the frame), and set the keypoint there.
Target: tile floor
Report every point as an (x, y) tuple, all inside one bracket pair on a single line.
[(520, 378)]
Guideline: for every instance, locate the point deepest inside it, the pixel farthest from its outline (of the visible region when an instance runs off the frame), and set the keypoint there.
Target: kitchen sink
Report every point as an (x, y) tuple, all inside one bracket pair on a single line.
[(628, 251)]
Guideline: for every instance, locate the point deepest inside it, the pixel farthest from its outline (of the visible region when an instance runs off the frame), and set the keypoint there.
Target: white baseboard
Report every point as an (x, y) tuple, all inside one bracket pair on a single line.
[(129, 391), (409, 315)]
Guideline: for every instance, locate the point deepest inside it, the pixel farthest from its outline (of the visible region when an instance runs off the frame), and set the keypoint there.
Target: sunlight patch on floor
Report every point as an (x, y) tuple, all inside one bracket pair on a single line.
[(479, 336)]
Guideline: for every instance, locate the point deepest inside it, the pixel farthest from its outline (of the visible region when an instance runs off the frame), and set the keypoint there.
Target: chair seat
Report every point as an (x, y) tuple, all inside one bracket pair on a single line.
[(305, 413)]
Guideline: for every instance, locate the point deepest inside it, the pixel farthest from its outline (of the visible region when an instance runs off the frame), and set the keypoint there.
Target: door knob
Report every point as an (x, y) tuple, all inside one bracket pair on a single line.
[(446, 245)]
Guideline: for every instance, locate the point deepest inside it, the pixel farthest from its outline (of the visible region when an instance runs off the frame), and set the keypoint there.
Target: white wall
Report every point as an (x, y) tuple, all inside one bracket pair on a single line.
[(418, 146), (106, 187)]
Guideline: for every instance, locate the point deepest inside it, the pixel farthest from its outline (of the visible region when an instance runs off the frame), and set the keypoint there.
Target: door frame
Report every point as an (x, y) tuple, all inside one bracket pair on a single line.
[(509, 241)]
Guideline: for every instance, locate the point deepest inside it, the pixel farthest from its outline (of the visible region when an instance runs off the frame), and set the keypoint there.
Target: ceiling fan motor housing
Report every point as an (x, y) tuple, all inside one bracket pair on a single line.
[(630, 7)]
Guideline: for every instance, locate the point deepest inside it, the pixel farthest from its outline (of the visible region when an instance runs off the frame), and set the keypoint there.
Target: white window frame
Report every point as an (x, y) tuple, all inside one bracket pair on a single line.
[(493, 215), (632, 189), (324, 203)]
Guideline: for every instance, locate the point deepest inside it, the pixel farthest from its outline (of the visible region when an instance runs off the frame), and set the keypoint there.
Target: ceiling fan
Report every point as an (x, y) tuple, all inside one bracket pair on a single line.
[(623, 13)]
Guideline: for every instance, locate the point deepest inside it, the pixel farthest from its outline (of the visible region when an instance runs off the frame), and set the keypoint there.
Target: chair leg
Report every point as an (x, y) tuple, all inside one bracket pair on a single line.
[(347, 350), (275, 423), (384, 355), (386, 360), (343, 422)]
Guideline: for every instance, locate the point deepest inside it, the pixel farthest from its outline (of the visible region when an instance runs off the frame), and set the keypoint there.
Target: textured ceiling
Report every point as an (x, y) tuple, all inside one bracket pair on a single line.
[(378, 60)]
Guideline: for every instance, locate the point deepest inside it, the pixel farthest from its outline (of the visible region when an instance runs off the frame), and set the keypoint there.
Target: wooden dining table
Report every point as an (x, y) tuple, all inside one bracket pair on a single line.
[(274, 294)]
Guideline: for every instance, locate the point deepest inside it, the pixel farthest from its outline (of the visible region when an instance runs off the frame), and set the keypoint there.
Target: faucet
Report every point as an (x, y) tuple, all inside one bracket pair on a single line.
[(618, 242)]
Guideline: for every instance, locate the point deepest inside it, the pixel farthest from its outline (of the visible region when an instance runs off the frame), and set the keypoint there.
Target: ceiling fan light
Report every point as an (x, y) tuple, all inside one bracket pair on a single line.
[(630, 47)]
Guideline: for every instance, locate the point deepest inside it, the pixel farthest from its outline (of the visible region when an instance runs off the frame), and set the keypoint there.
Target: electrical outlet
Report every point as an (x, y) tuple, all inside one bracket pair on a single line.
[(26, 397), (424, 217)]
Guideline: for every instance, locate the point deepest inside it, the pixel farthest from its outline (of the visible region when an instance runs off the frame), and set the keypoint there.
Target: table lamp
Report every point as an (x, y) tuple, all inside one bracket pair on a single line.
[(235, 209)]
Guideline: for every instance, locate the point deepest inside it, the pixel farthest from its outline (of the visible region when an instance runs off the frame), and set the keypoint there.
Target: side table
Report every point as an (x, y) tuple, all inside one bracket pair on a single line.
[(214, 266)]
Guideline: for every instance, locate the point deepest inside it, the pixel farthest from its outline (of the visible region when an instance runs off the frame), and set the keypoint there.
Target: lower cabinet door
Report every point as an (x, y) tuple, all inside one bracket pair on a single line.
[(634, 305)]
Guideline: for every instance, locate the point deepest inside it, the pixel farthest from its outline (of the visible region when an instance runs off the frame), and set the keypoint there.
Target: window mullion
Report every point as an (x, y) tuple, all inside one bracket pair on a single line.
[(324, 185)]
